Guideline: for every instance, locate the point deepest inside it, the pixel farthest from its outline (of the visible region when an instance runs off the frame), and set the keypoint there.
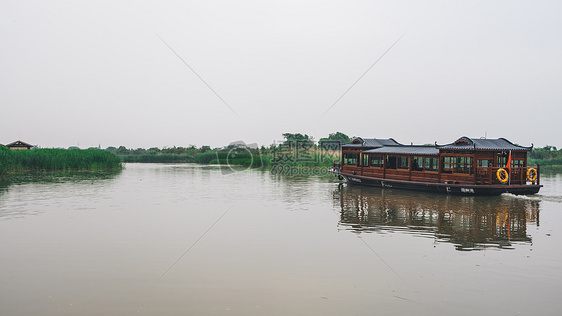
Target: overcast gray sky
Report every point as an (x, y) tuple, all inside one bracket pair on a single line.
[(97, 72)]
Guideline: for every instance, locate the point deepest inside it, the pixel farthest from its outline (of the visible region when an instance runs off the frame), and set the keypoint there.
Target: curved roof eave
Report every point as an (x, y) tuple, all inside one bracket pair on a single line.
[(467, 143)]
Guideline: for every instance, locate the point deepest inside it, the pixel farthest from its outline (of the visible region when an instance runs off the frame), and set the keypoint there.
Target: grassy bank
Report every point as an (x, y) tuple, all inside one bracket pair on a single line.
[(545, 162), (56, 159), (548, 164), (551, 169)]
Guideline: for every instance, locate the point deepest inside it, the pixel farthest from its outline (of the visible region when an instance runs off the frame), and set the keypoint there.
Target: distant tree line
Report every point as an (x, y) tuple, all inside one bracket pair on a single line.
[(290, 140), (293, 142), (547, 156), (206, 154), (190, 151)]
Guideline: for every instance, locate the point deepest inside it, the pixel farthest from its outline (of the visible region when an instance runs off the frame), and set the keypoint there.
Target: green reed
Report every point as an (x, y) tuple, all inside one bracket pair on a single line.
[(56, 159)]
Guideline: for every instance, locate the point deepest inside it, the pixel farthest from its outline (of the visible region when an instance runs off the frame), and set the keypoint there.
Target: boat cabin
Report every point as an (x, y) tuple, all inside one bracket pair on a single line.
[(471, 161)]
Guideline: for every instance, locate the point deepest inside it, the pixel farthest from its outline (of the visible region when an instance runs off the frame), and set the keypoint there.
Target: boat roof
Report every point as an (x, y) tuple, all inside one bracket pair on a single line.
[(372, 142), (405, 150), (390, 146), (466, 143)]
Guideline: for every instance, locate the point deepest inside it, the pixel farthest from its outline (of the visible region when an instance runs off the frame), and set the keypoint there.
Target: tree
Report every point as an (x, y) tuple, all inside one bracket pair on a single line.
[(153, 151), (138, 151), (337, 138), (122, 150), (298, 139)]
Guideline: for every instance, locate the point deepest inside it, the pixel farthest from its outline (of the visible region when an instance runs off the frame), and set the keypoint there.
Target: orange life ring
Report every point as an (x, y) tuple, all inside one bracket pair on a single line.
[(532, 174), (502, 175)]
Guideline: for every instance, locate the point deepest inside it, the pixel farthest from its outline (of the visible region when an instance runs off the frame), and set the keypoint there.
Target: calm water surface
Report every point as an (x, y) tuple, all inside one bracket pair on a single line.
[(189, 239)]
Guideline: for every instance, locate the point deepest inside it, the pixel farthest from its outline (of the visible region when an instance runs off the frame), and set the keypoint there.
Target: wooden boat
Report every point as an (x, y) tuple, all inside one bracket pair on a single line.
[(469, 166)]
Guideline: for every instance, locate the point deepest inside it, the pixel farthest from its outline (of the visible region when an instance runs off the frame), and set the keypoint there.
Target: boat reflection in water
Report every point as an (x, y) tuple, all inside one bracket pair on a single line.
[(470, 223)]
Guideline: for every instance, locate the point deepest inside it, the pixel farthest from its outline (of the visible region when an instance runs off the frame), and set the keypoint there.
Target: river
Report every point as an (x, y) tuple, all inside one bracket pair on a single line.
[(187, 239)]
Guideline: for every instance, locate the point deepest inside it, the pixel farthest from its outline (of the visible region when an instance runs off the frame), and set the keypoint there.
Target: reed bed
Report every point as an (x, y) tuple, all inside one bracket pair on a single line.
[(56, 159)]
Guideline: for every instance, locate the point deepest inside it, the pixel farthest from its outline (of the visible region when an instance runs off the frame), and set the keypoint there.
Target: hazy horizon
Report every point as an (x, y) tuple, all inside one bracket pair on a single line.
[(106, 73)]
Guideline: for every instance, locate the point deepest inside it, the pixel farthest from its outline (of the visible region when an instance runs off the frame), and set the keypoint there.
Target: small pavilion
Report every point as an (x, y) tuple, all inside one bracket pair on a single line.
[(19, 145)]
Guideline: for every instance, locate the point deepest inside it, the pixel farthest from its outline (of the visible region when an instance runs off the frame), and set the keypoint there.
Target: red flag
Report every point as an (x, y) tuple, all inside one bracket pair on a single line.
[(508, 165)]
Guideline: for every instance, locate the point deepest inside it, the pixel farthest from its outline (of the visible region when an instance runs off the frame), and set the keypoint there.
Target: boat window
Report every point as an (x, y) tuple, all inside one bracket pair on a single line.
[(403, 163), (417, 163), (447, 165), (350, 159), (376, 161), (517, 163), (457, 165), (397, 162), (390, 162), (424, 164), (504, 156), (365, 160), (502, 159), (430, 164), (484, 163)]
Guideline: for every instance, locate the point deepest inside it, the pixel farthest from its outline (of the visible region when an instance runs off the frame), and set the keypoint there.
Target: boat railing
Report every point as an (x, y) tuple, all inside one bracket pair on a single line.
[(518, 175)]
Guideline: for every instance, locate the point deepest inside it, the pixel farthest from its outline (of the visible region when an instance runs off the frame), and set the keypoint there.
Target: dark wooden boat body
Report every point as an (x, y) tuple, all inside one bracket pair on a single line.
[(466, 167)]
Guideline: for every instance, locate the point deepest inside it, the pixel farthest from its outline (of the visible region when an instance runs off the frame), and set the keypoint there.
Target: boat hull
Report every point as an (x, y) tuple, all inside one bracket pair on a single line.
[(448, 188)]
